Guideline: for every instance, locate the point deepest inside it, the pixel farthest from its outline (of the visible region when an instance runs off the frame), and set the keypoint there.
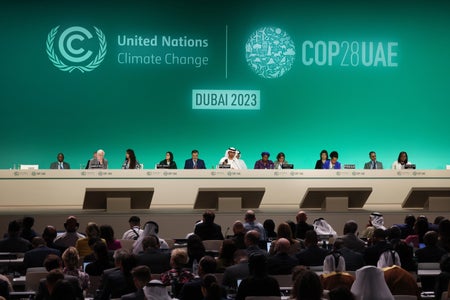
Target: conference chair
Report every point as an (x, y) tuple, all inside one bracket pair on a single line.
[(212, 245), (32, 280)]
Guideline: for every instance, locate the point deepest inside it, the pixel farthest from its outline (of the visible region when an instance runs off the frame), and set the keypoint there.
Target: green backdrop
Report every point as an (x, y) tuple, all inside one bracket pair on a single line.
[(148, 107)]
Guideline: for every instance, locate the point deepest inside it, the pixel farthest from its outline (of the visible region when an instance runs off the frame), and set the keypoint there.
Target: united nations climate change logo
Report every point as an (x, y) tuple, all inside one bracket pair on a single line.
[(70, 46), (270, 52)]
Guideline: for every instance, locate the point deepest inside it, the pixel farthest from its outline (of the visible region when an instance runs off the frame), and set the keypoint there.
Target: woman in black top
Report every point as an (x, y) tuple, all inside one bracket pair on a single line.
[(322, 160), (168, 161)]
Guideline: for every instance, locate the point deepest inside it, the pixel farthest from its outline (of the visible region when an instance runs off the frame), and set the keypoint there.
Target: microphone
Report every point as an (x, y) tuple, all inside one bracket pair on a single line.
[(225, 161)]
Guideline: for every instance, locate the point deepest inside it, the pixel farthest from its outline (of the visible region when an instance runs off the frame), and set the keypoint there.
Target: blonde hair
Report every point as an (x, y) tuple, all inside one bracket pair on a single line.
[(179, 257), (71, 258)]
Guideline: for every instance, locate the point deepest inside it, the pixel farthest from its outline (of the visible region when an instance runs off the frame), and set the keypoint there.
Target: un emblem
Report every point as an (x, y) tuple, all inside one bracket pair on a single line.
[(71, 45)]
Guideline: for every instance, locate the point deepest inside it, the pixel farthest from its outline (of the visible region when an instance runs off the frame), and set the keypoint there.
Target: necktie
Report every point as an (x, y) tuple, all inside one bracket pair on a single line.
[(374, 165), (195, 164), (61, 166)]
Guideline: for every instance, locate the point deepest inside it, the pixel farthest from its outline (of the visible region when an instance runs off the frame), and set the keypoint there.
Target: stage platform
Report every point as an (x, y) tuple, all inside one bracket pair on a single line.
[(176, 198)]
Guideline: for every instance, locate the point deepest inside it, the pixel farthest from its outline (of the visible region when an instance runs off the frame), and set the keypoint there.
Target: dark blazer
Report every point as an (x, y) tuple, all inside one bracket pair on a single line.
[(337, 165), (54, 165), (301, 228), (353, 259), (157, 261), (235, 272), (189, 164), (15, 244), (312, 256), (319, 164), (352, 242), (208, 231), (372, 253), (368, 165), (114, 285), (430, 254), (42, 293), (138, 295), (281, 264), (258, 286), (35, 257), (191, 290), (172, 165)]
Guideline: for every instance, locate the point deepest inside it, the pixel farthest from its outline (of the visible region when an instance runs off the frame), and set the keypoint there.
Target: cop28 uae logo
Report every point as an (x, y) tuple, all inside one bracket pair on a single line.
[(73, 46)]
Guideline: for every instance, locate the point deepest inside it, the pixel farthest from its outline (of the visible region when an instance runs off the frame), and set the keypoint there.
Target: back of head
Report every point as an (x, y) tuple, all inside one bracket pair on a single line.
[(179, 258), (37, 242), (195, 246), (92, 230), (284, 231), (311, 238), (141, 274), (107, 233), (410, 220), (71, 258), (257, 264), (119, 255), (211, 287), (28, 222), (238, 227), (394, 233), (308, 286), (209, 216), (134, 221), (150, 242), (49, 233), (71, 224), (239, 255), (14, 228), (250, 216), (350, 227), (100, 250), (129, 261), (269, 225), (370, 284), (301, 216), (151, 227), (207, 264), (252, 238), (444, 229), (379, 235), (52, 262), (156, 290), (430, 238), (283, 245)]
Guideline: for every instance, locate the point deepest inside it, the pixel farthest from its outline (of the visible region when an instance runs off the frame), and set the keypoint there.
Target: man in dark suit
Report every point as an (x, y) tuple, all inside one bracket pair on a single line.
[(194, 162), (372, 253), (281, 263), (302, 227), (353, 260), (14, 243), (350, 240), (36, 256), (193, 289), (157, 261), (141, 276), (313, 255), (208, 230), (60, 164), (431, 252), (117, 282), (373, 163), (237, 271)]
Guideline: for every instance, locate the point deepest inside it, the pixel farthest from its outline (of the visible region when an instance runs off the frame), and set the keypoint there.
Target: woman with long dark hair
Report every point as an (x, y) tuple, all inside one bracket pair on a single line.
[(168, 161), (322, 160), (130, 160)]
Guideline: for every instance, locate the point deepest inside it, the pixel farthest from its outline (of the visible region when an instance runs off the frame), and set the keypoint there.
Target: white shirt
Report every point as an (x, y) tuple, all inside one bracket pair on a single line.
[(398, 166), (131, 235), (234, 163)]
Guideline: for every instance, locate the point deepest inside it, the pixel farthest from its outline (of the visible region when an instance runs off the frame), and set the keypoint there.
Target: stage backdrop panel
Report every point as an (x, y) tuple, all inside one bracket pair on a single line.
[(292, 76)]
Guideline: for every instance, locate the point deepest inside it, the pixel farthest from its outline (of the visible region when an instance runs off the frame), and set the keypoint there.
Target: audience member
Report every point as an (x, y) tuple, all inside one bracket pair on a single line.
[(82, 244), (420, 228), (226, 254), (196, 250), (49, 234), (211, 288), (380, 245), (406, 255), (5, 287), (350, 238), (156, 290), (370, 285), (284, 231), (107, 233), (64, 290), (71, 260), (282, 262), (178, 275), (393, 235), (152, 257), (269, 228), (258, 283), (444, 235), (141, 276), (297, 272), (118, 281), (353, 260), (237, 271), (135, 229), (193, 289), (101, 260), (150, 228), (27, 229), (308, 286), (252, 242), (239, 235), (252, 224), (36, 256), (431, 252), (302, 226), (376, 221), (208, 230), (312, 255), (13, 242), (70, 237), (50, 281), (407, 228), (400, 281), (443, 280)]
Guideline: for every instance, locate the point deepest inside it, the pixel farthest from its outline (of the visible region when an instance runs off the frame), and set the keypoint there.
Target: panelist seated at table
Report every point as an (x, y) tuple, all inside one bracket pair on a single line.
[(194, 162), (373, 163), (230, 160), (60, 164), (401, 162), (281, 160), (332, 163), (264, 162), (130, 161), (100, 162), (240, 161), (322, 160), (168, 162), (94, 155)]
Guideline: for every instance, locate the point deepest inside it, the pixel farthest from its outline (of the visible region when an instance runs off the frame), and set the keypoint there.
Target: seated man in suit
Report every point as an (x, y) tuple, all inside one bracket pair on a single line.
[(373, 164), (350, 240), (36, 256), (237, 271), (60, 164), (141, 276), (194, 162), (281, 263), (313, 255), (157, 261), (208, 230), (14, 243)]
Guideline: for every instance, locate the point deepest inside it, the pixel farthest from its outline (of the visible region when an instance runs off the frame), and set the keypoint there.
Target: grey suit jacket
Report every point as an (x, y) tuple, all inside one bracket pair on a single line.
[(368, 165), (54, 165)]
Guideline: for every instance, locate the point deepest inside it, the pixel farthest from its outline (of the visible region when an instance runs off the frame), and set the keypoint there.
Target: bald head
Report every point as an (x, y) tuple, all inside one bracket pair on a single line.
[(301, 216), (282, 245), (250, 216)]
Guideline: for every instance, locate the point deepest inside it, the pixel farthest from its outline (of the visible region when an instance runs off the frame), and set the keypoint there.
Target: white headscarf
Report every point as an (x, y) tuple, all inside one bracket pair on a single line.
[(321, 227), (377, 221), (155, 290), (370, 285), (149, 229), (329, 264), (389, 258)]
